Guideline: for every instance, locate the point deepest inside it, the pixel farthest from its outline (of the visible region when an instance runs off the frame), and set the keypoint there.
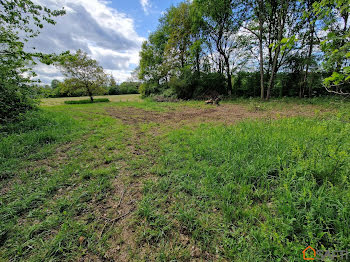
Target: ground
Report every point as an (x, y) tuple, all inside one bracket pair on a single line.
[(136, 180)]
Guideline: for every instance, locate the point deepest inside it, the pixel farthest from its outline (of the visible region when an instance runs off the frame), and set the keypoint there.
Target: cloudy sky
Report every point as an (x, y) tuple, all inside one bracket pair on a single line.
[(110, 31)]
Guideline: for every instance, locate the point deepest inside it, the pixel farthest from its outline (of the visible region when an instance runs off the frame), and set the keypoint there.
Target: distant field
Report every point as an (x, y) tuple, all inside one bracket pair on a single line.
[(146, 181), (116, 98)]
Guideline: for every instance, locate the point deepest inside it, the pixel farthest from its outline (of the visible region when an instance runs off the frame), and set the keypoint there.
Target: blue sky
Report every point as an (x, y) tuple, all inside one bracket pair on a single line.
[(145, 21), (109, 31)]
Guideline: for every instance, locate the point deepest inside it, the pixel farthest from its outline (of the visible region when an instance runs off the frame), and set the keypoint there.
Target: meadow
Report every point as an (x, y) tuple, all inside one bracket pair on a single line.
[(137, 180)]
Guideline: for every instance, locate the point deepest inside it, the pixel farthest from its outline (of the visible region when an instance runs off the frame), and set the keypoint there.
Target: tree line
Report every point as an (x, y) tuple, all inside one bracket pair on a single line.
[(255, 48), (61, 89)]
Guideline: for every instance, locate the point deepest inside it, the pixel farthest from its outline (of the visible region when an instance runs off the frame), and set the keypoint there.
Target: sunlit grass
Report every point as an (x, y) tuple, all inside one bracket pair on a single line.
[(115, 98), (258, 191)]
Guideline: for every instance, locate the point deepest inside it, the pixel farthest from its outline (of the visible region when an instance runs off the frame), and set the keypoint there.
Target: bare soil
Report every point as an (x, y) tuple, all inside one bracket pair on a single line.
[(227, 114)]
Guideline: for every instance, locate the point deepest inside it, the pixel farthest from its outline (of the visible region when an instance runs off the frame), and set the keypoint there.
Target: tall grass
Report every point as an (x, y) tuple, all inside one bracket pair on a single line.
[(36, 130), (257, 191)]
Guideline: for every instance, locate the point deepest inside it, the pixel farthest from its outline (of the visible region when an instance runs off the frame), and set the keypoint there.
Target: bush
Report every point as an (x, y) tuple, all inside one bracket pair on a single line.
[(189, 85), (114, 90), (185, 84), (86, 101), (146, 89), (211, 84), (247, 84), (129, 88), (14, 100)]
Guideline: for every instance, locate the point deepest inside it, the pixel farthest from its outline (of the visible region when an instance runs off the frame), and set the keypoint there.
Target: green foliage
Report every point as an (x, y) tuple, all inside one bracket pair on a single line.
[(246, 84), (211, 84), (126, 88), (55, 83), (336, 44), (15, 99), (77, 102), (20, 20), (113, 87), (114, 90), (148, 88), (188, 85), (203, 37), (83, 74), (185, 84)]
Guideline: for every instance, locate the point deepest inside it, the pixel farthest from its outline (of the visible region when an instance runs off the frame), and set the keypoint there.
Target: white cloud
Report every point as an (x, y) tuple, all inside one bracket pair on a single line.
[(146, 4), (106, 34)]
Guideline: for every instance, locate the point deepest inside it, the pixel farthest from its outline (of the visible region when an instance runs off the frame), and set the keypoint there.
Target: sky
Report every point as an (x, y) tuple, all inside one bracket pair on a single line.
[(109, 31)]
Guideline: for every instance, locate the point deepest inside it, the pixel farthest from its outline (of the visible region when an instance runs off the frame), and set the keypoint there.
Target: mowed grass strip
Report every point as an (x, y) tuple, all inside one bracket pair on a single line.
[(51, 203), (256, 191)]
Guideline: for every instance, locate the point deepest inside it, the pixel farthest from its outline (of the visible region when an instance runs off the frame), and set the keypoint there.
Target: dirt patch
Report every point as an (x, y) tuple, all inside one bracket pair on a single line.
[(227, 113)]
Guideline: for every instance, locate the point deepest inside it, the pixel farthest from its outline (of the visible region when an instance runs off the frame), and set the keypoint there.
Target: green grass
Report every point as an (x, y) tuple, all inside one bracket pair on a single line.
[(36, 130), (113, 98), (258, 191), (87, 101), (255, 191), (48, 199)]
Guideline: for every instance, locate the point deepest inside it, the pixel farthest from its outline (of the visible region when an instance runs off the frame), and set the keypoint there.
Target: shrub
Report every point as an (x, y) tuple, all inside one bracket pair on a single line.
[(114, 90), (129, 88), (86, 101), (14, 100), (146, 89), (185, 84), (189, 85), (211, 84)]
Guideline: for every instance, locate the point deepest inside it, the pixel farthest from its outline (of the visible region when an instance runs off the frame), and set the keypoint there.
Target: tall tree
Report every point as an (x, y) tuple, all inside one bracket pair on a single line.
[(222, 20), (255, 25)]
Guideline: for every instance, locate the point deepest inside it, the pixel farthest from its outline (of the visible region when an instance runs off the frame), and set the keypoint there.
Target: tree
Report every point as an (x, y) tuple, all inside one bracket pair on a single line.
[(153, 66), (256, 27), (19, 21), (178, 22), (335, 16), (83, 73), (55, 83), (222, 20), (112, 82)]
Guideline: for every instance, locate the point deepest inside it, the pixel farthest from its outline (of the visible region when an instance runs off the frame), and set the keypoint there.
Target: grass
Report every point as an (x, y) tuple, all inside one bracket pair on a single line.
[(77, 183), (87, 101), (257, 191), (115, 98)]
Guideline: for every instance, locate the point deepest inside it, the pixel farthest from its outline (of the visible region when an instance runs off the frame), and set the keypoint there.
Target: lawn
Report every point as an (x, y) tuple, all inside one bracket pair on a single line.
[(136, 180)]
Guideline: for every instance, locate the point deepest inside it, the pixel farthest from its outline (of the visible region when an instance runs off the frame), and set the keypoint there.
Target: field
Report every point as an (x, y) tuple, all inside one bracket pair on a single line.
[(136, 180), (60, 100)]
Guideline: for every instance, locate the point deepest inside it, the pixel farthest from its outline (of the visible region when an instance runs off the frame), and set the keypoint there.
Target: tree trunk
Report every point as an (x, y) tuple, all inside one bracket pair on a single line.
[(281, 21), (198, 64), (305, 84), (273, 73), (89, 92), (262, 91), (228, 73)]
